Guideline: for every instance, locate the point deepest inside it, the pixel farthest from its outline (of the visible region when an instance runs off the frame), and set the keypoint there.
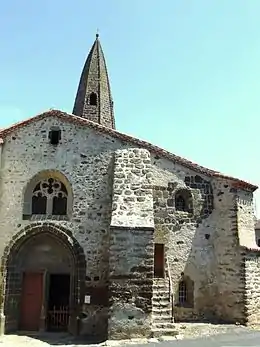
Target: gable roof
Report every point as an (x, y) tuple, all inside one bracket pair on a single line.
[(237, 183)]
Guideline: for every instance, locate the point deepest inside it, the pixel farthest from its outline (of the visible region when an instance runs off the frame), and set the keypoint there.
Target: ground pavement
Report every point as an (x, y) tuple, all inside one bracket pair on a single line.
[(192, 335)]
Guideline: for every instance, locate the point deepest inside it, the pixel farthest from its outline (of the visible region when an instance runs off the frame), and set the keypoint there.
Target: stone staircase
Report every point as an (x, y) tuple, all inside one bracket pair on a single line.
[(163, 324)]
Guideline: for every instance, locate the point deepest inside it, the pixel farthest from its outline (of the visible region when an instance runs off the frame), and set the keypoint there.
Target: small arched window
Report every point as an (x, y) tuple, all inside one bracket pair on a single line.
[(182, 293), (183, 200), (185, 292), (50, 197), (93, 99), (180, 203)]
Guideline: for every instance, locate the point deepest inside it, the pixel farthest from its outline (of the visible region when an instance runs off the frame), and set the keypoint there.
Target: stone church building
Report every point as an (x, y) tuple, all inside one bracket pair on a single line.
[(106, 235)]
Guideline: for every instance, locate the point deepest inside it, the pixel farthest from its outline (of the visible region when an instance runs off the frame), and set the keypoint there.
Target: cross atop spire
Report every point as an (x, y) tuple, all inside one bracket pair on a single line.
[(93, 100)]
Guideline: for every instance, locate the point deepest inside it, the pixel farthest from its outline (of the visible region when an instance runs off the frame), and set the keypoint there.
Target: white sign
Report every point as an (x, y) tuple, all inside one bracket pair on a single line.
[(87, 299)]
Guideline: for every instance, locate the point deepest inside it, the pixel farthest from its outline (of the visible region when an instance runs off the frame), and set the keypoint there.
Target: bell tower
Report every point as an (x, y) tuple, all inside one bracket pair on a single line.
[(93, 99)]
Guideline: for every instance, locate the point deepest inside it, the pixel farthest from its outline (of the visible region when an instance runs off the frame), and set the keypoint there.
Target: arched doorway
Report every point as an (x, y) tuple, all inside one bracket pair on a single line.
[(45, 278)]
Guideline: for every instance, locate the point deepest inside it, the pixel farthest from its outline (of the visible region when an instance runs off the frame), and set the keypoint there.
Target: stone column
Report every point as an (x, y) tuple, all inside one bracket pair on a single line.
[(131, 246), (2, 322), (44, 312)]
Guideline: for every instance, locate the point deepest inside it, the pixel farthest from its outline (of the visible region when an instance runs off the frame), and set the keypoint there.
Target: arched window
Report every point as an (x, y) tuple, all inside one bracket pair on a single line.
[(180, 203), (49, 197), (185, 292), (183, 201), (182, 293), (93, 99)]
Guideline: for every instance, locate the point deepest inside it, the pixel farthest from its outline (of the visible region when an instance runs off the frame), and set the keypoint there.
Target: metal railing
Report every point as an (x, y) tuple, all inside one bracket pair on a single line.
[(171, 295), (58, 318)]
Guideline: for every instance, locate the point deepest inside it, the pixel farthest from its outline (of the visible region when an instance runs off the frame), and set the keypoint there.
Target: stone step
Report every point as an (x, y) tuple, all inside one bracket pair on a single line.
[(157, 332), (160, 289), (162, 319), (161, 305), (160, 283), (160, 292), (161, 311), (163, 325), (161, 298), (160, 280)]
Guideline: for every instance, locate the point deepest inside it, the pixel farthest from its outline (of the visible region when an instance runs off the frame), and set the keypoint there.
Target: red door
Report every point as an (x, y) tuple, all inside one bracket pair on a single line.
[(31, 304), (159, 260)]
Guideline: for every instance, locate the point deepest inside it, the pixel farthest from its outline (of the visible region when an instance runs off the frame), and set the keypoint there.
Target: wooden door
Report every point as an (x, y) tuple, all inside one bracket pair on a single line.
[(31, 303), (159, 260)]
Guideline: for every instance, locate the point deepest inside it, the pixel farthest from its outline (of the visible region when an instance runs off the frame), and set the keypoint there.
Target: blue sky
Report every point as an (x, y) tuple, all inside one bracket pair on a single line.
[(185, 74)]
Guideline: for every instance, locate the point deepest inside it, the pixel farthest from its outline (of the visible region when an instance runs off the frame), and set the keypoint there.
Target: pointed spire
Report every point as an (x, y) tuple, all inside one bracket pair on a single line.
[(93, 100)]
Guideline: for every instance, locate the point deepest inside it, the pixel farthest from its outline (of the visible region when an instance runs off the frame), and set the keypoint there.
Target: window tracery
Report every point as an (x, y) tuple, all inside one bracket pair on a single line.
[(49, 197)]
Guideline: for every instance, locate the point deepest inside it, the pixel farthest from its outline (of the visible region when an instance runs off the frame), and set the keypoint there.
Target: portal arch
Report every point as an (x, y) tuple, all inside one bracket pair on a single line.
[(44, 249)]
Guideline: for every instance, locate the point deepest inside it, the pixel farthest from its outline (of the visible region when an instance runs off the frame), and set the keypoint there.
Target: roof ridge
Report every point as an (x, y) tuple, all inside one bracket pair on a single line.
[(125, 137)]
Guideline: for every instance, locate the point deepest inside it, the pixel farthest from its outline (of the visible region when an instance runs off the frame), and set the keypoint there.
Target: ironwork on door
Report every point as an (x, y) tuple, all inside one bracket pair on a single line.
[(58, 318)]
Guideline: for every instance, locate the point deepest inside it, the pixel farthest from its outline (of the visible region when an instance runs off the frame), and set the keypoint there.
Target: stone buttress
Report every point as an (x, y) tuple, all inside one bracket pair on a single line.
[(131, 246)]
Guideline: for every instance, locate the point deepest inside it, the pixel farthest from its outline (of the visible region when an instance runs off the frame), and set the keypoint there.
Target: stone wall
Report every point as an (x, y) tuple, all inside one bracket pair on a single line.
[(85, 160), (245, 218), (131, 246), (250, 265), (229, 292), (201, 245), (134, 192), (252, 294), (183, 234)]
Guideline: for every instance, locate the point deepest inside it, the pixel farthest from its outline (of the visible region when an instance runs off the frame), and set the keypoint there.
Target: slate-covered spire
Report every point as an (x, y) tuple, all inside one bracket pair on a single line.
[(93, 100)]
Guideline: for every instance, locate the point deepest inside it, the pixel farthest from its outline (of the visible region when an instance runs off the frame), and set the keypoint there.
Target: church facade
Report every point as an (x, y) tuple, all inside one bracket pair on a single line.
[(106, 235)]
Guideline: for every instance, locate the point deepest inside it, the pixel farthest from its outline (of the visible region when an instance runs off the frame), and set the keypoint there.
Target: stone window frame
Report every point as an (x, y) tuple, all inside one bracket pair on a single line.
[(187, 197), (29, 191), (185, 292)]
